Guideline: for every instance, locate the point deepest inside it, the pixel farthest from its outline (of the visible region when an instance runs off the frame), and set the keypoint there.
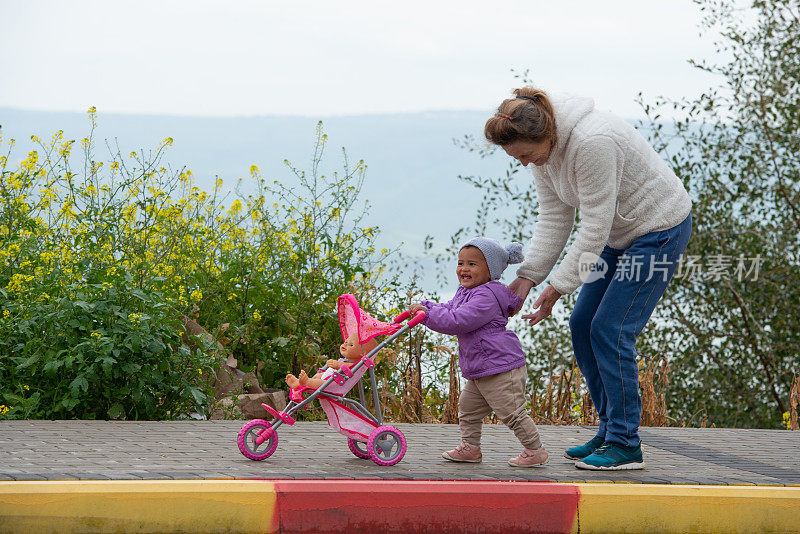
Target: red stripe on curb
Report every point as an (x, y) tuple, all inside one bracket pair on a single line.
[(370, 506)]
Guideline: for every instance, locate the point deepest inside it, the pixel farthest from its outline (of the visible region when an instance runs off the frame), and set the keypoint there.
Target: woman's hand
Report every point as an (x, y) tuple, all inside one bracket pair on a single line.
[(414, 308), (521, 287), (544, 303)]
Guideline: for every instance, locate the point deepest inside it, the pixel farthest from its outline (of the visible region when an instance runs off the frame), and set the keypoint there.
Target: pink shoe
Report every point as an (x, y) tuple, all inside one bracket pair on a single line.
[(530, 458), (464, 453)]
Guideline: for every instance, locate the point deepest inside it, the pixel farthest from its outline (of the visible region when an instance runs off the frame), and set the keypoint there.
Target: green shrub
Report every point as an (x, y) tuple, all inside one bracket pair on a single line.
[(98, 353)]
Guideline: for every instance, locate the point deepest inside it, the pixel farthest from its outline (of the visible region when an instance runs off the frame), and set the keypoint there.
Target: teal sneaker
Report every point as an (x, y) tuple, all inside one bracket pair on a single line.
[(582, 451), (613, 457)]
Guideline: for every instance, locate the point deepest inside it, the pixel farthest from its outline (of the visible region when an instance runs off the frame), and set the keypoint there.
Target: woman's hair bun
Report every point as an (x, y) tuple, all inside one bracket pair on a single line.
[(528, 115), (515, 254)]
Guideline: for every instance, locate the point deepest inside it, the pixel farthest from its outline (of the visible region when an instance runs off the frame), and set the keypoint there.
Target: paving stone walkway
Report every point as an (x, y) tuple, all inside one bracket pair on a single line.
[(101, 450)]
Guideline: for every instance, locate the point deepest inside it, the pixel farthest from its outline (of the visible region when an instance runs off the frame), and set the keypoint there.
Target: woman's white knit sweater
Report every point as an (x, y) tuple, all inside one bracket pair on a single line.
[(602, 166)]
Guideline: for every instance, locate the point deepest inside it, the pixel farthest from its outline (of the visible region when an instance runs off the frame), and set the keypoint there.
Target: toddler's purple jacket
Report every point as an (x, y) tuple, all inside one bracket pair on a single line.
[(478, 317)]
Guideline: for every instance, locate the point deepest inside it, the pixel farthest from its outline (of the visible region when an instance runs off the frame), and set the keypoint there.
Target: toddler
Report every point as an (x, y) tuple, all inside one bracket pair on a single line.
[(490, 356)]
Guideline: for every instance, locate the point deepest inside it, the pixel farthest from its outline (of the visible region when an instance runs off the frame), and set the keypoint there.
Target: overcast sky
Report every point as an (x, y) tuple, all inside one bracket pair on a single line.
[(322, 58)]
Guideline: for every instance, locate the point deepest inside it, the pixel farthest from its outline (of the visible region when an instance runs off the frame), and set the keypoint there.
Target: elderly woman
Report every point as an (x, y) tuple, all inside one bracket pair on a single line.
[(635, 223)]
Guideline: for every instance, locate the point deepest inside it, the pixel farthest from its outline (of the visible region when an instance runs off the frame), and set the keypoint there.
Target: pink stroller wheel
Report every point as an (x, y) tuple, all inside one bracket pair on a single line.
[(386, 445), (358, 448), (247, 440)]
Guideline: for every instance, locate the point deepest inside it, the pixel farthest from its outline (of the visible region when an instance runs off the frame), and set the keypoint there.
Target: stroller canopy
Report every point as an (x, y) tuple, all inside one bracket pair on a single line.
[(354, 319)]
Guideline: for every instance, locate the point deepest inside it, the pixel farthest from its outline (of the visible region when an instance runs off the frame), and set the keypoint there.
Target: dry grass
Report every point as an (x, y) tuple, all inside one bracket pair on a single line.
[(450, 409), (412, 407), (653, 383), (563, 399), (413, 404), (563, 402), (794, 403), (588, 413)]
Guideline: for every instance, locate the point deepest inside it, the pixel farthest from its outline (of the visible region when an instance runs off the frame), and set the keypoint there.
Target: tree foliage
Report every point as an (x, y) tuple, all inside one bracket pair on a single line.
[(733, 340)]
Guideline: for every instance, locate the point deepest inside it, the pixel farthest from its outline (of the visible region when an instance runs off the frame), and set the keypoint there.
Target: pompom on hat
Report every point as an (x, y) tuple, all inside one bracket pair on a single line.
[(497, 256)]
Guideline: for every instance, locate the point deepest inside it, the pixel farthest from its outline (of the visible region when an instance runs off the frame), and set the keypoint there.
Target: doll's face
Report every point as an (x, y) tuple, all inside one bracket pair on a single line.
[(352, 349)]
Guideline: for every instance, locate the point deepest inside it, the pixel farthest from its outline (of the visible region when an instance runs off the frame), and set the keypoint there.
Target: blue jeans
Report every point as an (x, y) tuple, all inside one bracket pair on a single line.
[(610, 313)]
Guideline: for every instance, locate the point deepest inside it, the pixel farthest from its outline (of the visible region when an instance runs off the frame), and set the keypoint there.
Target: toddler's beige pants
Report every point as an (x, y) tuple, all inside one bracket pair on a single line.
[(504, 394)]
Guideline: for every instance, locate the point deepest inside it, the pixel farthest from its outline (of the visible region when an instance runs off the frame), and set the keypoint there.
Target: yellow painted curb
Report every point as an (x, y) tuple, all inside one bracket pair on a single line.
[(248, 506), (654, 508), (136, 506)]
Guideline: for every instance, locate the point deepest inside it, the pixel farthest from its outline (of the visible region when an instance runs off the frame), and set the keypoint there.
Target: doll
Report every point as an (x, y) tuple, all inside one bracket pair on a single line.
[(350, 349)]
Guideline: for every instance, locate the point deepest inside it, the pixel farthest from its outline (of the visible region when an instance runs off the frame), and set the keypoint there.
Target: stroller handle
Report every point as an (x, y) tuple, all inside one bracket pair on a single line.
[(418, 317)]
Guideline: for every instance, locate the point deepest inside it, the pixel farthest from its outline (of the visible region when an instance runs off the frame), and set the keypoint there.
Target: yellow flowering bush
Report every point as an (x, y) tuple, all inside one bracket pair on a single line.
[(90, 327), (100, 263)]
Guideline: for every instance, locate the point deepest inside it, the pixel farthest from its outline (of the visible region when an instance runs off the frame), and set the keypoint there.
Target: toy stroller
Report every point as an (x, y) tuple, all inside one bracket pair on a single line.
[(366, 434)]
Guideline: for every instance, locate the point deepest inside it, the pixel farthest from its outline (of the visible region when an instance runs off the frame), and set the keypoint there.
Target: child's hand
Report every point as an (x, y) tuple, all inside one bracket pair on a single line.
[(334, 364), (414, 308)]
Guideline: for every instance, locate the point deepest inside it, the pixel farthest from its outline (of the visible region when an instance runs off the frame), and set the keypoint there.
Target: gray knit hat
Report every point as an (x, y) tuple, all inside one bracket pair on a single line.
[(497, 256)]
